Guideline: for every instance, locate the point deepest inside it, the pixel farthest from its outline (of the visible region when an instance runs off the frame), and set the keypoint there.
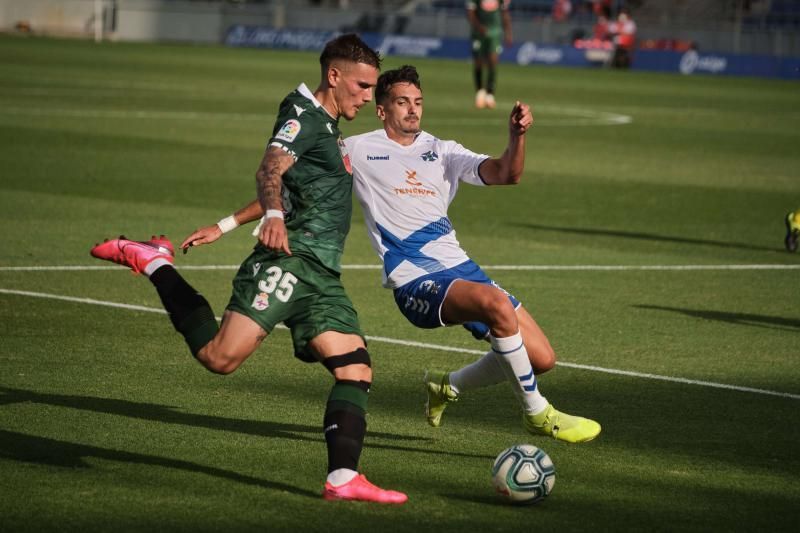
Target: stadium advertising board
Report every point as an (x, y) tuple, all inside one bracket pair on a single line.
[(691, 62)]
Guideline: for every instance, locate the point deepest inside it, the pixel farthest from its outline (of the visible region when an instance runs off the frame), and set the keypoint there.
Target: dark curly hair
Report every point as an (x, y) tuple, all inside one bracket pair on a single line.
[(404, 74)]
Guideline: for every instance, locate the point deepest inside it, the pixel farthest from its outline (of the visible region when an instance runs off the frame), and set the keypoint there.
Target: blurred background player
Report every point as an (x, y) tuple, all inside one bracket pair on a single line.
[(792, 230), (490, 25), (624, 36), (289, 277)]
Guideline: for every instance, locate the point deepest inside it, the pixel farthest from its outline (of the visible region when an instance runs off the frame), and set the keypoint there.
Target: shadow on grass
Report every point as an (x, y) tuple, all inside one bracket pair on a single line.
[(31, 449), (743, 319), (642, 236), (170, 415)]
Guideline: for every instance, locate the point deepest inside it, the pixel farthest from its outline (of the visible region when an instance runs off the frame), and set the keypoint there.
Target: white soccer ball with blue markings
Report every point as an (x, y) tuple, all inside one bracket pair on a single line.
[(523, 474)]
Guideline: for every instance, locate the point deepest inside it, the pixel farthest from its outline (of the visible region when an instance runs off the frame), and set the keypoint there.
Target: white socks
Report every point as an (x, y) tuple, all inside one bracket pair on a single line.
[(484, 372), (513, 359), (340, 476)]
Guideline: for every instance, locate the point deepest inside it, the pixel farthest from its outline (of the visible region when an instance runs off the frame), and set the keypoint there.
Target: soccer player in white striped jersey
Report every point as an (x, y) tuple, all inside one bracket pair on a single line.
[(405, 179)]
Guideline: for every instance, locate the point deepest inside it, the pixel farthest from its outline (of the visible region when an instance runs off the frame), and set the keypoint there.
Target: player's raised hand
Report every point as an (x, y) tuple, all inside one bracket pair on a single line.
[(273, 235), (521, 118), (201, 236)]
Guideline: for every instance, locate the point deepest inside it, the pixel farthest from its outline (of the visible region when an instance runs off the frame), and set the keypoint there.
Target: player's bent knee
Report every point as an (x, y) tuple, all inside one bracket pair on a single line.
[(355, 365), (219, 361), (546, 362), (498, 309)]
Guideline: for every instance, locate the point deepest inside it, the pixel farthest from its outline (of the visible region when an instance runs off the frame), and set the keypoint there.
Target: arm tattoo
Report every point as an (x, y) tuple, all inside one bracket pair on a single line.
[(269, 177)]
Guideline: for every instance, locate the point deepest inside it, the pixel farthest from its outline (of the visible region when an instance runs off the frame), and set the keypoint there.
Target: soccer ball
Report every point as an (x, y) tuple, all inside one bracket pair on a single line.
[(524, 474)]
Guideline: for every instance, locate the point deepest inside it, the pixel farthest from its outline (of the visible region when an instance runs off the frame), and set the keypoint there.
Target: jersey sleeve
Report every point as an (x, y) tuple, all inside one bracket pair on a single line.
[(293, 133), (461, 164)]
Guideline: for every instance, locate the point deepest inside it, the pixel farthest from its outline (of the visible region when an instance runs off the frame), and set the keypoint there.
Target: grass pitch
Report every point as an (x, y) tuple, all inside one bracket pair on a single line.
[(646, 238)]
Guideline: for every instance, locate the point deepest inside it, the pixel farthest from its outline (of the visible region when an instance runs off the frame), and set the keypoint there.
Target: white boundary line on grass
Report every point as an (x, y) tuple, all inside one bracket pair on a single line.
[(599, 268), (643, 375), (573, 116)]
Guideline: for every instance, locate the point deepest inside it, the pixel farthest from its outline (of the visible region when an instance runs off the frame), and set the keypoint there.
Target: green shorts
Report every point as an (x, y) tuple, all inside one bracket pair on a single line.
[(486, 45), (297, 290)]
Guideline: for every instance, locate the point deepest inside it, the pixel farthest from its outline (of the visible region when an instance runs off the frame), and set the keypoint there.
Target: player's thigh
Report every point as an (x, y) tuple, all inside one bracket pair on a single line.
[(468, 301), (540, 352), (238, 337), (324, 321)]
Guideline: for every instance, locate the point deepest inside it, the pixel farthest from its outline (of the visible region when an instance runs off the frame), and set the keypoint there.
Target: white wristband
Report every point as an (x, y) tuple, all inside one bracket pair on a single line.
[(228, 224), (274, 213)]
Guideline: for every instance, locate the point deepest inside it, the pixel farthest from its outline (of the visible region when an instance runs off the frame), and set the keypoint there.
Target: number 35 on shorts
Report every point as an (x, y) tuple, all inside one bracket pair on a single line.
[(276, 283)]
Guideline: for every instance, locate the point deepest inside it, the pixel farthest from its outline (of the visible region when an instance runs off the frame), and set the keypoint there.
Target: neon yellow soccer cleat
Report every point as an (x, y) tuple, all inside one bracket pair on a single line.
[(792, 231), (437, 385), (561, 426)]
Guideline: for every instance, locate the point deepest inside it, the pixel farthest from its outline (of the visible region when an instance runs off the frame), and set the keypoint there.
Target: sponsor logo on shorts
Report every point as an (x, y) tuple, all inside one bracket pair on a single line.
[(289, 131), (261, 301)]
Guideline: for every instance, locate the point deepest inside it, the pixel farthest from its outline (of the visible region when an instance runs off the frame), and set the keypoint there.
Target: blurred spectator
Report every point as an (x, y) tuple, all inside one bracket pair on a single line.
[(602, 7), (600, 30), (624, 34), (562, 9)]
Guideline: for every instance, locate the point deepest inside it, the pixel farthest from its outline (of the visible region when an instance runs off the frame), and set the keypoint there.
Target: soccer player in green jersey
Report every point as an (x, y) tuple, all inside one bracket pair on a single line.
[(304, 187), (490, 26)]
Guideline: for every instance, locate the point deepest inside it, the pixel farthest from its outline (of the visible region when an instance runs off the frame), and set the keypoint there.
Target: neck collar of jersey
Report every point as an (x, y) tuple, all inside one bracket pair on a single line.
[(305, 91)]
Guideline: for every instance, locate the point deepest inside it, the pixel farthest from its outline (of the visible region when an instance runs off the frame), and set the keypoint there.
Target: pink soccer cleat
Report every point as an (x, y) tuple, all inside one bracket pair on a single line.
[(134, 254), (359, 489)]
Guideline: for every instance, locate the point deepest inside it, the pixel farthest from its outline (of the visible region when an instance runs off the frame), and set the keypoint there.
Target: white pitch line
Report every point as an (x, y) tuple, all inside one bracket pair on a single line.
[(598, 268), (574, 117), (401, 342)]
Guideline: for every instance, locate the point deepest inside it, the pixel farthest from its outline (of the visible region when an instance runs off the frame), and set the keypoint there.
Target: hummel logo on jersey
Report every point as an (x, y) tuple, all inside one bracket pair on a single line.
[(299, 110), (330, 129), (377, 157), (430, 155)]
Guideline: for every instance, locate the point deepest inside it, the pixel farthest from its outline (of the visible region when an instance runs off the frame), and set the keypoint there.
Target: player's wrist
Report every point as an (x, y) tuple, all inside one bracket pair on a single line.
[(273, 213), (227, 224)]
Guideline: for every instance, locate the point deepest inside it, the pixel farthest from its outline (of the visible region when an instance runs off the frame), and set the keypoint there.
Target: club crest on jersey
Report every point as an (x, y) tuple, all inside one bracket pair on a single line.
[(289, 131), (345, 156), (430, 155), (261, 301)]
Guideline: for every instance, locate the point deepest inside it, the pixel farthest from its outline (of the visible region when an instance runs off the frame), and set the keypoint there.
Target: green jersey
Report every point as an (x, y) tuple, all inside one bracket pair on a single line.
[(317, 189), (490, 15)]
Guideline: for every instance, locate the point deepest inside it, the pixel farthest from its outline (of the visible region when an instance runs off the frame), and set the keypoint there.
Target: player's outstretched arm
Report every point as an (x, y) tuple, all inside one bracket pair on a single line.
[(269, 182), (209, 234), (507, 169)]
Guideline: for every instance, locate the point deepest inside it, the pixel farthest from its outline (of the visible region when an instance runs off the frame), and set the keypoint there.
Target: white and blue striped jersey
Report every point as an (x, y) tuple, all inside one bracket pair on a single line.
[(405, 192)]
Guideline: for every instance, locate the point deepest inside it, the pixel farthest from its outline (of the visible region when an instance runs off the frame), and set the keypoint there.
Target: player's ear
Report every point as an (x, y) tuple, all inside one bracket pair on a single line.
[(380, 112), (334, 76)]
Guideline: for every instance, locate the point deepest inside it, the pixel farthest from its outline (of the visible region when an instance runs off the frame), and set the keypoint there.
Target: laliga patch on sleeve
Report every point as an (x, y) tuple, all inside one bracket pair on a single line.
[(289, 131)]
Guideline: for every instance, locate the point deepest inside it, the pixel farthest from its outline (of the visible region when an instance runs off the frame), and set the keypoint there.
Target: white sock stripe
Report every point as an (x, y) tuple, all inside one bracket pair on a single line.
[(509, 351)]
